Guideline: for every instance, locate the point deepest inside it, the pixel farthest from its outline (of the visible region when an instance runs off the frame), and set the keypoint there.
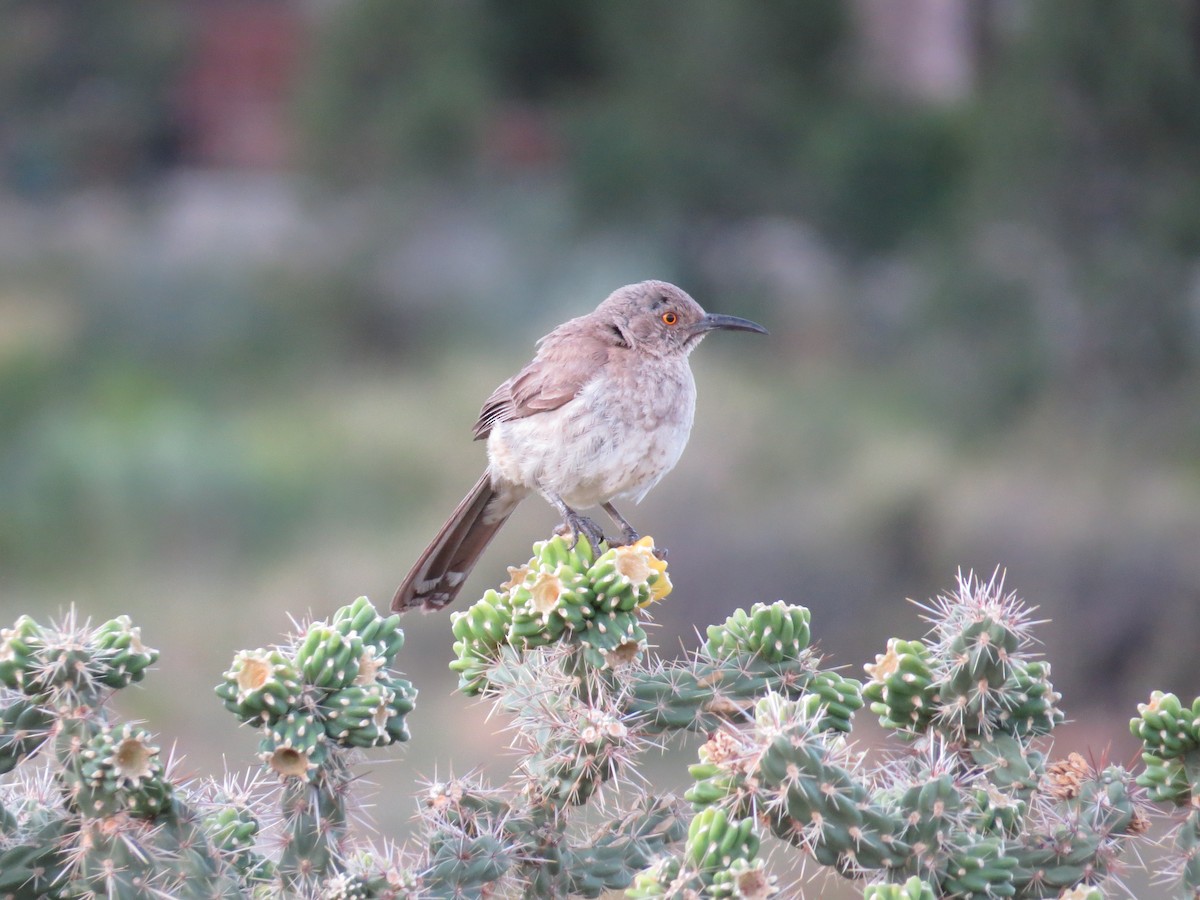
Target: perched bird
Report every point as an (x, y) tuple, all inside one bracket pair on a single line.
[(601, 414)]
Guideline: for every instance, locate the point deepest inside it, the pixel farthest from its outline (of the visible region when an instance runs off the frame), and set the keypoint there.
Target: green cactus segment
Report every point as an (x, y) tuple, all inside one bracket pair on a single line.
[(664, 878), (931, 811), (613, 639), (19, 649), (547, 603), (1187, 849), (300, 732), (574, 764), (715, 840), (369, 715), (1167, 728), (479, 632), (982, 651), (1029, 703), (775, 633), (980, 869), (328, 658), (116, 770), (831, 700), (623, 848), (381, 637), (460, 865), (1165, 780), (24, 727), (314, 822), (913, 889), (1010, 765), (822, 804), (1095, 810), (721, 775), (32, 864), (261, 685), (701, 695), (625, 578), (233, 831), (122, 655), (901, 690), (113, 864)]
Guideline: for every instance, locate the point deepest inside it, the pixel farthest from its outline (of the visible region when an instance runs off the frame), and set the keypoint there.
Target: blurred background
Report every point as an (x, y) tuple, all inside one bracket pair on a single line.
[(260, 263)]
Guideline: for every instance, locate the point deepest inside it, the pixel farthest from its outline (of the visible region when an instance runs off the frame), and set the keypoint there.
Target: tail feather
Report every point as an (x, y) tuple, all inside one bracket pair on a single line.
[(438, 574)]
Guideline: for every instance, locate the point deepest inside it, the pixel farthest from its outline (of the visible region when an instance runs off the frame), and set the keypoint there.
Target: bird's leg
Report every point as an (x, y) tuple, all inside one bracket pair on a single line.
[(629, 532), (575, 523)]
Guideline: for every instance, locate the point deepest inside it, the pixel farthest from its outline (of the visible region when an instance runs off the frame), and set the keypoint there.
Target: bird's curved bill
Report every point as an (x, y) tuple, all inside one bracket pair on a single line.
[(714, 321)]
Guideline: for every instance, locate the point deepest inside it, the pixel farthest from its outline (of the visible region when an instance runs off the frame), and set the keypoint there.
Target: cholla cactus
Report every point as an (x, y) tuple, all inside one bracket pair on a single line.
[(101, 814), (314, 700), (94, 810), (1170, 736), (966, 808), (562, 649)]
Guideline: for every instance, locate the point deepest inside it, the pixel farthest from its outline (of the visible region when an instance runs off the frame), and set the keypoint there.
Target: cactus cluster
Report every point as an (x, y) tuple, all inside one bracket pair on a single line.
[(966, 805), (331, 690), (1170, 734), (93, 810), (561, 649), (564, 594)]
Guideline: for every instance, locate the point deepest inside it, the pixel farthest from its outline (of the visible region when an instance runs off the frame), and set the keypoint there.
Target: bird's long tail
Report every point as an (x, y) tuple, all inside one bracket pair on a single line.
[(438, 574)]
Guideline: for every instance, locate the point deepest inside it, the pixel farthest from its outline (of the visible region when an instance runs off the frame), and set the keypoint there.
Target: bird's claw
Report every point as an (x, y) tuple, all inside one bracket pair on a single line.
[(576, 525)]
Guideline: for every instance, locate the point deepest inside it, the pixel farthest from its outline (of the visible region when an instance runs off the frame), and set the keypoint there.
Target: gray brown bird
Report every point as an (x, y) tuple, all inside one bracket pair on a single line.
[(601, 414)]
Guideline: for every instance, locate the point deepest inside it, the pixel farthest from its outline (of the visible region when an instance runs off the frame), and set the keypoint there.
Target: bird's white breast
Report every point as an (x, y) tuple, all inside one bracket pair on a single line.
[(614, 440)]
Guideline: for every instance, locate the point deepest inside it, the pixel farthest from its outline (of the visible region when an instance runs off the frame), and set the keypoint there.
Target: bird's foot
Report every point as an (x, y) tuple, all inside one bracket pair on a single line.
[(629, 534), (576, 525)]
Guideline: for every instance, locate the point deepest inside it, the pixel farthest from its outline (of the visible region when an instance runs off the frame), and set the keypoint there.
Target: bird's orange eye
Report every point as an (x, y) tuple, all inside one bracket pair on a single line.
[(669, 318)]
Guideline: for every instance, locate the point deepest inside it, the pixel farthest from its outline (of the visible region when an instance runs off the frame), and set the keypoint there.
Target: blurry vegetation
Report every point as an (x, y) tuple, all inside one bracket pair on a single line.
[(86, 91)]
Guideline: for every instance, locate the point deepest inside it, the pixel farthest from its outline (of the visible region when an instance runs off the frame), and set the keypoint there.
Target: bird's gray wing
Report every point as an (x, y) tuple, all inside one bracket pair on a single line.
[(567, 359)]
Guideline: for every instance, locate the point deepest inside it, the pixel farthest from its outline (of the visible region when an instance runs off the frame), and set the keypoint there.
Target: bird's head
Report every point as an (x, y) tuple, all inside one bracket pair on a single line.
[(661, 318)]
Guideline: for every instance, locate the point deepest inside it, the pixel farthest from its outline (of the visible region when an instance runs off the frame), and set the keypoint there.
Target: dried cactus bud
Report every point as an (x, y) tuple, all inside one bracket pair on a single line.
[(613, 640), (260, 685), (745, 879), (627, 577)]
